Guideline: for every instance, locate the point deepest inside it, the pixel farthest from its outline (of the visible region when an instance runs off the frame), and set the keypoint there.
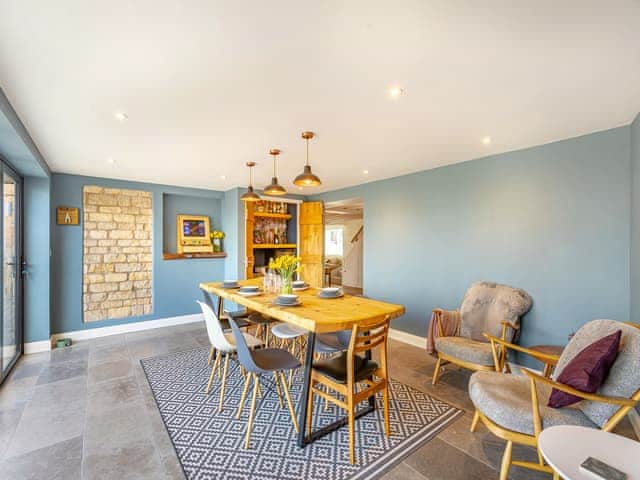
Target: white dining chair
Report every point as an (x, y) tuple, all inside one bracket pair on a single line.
[(292, 338), (224, 345)]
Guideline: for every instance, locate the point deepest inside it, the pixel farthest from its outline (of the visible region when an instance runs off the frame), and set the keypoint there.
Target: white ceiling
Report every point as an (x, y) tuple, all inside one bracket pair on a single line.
[(208, 85)]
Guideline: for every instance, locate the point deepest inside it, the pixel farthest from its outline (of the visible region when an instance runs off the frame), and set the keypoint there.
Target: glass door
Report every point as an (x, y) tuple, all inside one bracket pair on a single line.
[(11, 331)]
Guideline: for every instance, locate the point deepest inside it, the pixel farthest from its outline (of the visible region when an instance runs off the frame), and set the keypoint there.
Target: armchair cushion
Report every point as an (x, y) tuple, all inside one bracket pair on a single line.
[(506, 400), (587, 370), (465, 349), (487, 304), (624, 377)]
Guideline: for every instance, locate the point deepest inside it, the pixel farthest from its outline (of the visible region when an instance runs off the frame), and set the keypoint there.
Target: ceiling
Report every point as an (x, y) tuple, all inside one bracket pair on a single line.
[(343, 211), (208, 85)]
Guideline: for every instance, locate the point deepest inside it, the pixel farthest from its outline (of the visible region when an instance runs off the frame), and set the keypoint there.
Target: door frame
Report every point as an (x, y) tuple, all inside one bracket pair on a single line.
[(5, 167)]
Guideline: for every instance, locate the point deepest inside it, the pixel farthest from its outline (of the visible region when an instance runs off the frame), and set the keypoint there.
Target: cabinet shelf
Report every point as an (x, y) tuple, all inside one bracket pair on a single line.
[(275, 245), (286, 216)]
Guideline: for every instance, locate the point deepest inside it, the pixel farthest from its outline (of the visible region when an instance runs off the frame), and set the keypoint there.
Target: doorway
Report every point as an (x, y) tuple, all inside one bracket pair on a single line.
[(343, 245), (11, 279)]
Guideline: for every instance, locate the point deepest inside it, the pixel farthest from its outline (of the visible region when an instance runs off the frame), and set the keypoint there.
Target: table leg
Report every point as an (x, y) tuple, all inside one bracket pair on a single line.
[(219, 308), (306, 390)]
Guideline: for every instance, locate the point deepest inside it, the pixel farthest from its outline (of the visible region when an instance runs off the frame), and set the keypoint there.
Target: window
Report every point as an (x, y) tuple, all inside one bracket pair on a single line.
[(333, 241)]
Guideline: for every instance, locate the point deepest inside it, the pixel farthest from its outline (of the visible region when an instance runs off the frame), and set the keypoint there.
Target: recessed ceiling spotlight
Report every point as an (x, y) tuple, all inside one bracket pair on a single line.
[(111, 160), (223, 177), (395, 92), (486, 140), (121, 116), (366, 172)]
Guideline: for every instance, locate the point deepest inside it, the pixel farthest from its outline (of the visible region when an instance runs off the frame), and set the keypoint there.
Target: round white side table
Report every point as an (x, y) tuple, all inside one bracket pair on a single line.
[(566, 447)]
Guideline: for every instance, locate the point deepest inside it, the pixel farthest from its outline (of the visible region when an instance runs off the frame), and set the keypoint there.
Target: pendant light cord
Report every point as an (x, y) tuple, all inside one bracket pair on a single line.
[(307, 150)]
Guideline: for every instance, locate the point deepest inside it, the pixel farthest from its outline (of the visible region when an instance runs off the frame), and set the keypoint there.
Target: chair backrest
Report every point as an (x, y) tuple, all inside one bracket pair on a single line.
[(214, 329), (245, 357), (486, 305), (623, 379), (367, 336), (208, 300)]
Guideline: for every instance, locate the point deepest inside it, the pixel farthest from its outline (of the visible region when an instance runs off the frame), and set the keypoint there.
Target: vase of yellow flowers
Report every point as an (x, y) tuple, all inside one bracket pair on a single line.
[(216, 239), (286, 266)]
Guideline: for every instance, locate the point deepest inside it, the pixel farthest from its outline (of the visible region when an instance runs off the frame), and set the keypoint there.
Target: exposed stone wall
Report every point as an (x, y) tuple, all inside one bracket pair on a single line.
[(117, 258)]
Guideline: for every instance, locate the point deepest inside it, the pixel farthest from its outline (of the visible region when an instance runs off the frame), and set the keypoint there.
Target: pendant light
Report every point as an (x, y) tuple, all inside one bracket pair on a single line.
[(274, 188), (307, 178), (250, 195)]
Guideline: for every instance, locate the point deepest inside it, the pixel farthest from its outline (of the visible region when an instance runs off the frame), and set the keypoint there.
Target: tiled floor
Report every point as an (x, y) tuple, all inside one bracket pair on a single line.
[(87, 412)]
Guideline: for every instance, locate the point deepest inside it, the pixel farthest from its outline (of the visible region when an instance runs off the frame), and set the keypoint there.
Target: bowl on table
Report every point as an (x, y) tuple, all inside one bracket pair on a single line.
[(287, 299), (331, 292), (230, 284), (249, 291), (299, 285)]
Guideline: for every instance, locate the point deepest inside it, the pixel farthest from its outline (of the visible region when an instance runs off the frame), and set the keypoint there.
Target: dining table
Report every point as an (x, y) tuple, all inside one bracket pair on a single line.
[(316, 315)]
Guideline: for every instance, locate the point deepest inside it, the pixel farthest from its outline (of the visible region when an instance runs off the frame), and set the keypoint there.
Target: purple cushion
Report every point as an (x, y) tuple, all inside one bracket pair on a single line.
[(587, 370)]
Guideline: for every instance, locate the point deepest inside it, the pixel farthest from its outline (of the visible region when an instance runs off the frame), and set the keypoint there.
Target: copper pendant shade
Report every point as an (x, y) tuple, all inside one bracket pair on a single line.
[(250, 195), (307, 178), (274, 188)]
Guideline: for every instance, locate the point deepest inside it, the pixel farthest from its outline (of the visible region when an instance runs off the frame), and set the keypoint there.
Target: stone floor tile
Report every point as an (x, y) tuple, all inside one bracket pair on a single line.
[(137, 460), (110, 370), (79, 351), (437, 460), (42, 427), (112, 394), (117, 427), (58, 371), (403, 472), (60, 461)]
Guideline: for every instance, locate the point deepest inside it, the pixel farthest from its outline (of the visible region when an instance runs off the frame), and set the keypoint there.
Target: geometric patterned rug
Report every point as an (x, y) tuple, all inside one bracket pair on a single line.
[(210, 445)]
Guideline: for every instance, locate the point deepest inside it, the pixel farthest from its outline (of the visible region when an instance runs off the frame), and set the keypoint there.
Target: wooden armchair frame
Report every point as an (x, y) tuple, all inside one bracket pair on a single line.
[(624, 404), (499, 358)]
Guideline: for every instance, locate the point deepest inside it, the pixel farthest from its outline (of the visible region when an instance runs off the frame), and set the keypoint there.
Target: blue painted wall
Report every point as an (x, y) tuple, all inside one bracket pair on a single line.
[(634, 133), (175, 282), (175, 204), (552, 219), (37, 305)]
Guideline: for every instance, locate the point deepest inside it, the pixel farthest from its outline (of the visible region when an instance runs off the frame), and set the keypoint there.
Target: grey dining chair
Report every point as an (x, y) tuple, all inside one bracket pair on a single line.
[(259, 363)]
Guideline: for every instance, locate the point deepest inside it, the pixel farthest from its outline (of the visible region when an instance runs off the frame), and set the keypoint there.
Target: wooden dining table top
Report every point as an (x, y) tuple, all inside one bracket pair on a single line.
[(315, 314)]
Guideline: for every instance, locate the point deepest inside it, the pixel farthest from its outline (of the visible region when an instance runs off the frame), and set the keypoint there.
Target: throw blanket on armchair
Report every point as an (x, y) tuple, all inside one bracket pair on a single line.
[(450, 320)]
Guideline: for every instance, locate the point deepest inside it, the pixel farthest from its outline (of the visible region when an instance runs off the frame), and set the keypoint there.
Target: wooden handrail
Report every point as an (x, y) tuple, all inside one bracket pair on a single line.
[(355, 237)]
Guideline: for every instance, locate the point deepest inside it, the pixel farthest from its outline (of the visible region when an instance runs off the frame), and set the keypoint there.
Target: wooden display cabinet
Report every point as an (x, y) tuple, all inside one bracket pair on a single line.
[(304, 235)]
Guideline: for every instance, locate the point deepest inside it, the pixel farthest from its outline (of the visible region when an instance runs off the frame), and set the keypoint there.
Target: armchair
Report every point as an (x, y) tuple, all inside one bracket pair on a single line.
[(487, 307), (514, 407)]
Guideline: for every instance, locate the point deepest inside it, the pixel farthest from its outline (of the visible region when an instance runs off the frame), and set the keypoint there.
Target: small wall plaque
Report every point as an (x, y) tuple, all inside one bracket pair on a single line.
[(68, 216)]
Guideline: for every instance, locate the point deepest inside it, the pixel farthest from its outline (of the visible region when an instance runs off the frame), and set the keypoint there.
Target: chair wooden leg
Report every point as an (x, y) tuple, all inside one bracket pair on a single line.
[(243, 398), (213, 372), (547, 370), (385, 406), (276, 378), (556, 476), (252, 412), (474, 422), (289, 403), (436, 372), (310, 406), (352, 430), (506, 461), (212, 352), (224, 381)]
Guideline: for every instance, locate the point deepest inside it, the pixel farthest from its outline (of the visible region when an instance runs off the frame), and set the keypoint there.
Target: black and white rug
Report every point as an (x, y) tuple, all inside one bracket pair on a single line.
[(210, 444)]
